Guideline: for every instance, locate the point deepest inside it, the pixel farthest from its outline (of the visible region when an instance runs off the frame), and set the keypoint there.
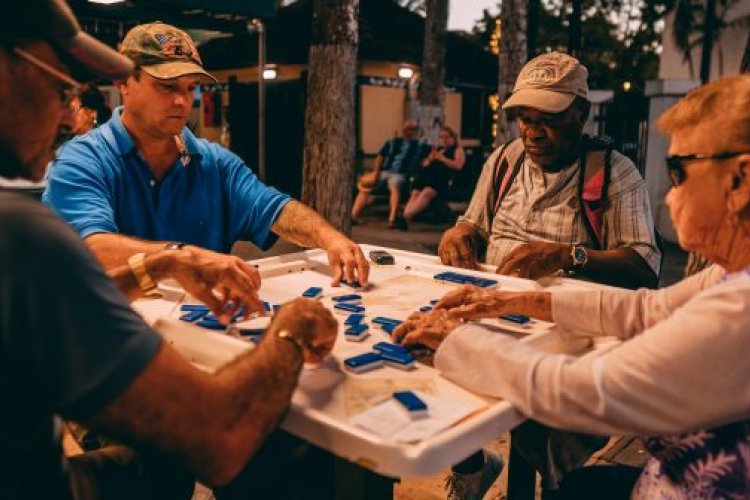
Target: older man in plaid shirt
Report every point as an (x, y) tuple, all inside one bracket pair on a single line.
[(532, 215), (539, 227)]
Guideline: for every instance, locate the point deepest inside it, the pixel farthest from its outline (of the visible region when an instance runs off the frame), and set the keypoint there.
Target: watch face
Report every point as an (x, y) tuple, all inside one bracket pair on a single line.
[(580, 255)]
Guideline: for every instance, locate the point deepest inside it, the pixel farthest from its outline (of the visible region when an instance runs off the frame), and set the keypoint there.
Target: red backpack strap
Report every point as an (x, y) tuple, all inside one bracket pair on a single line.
[(595, 171), (512, 153)]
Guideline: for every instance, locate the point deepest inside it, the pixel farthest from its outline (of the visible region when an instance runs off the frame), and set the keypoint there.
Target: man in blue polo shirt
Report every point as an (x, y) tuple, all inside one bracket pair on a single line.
[(142, 181)]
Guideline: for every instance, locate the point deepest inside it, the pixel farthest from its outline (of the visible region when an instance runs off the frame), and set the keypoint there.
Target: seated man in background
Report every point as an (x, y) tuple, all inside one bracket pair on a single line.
[(143, 182), (71, 345), (556, 199), (552, 200), (398, 159)]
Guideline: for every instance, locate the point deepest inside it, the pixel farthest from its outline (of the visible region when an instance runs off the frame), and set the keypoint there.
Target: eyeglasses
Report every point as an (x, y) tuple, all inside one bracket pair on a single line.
[(71, 87), (676, 167)]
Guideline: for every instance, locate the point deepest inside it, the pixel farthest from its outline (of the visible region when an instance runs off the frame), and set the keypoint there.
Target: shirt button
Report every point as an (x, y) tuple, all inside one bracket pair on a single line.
[(153, 183)]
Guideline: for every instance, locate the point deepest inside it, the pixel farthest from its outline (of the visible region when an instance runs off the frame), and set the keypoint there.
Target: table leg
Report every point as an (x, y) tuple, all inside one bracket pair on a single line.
[(521, 477), (353, 482)]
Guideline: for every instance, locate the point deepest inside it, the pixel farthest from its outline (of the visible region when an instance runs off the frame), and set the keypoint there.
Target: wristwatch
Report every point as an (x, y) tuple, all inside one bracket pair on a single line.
[(287, 335), (580, 257), (174, 245), (137, 265)]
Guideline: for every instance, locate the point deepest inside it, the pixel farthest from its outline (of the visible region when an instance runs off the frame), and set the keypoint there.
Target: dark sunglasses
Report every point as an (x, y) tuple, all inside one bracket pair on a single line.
[(676, 167)]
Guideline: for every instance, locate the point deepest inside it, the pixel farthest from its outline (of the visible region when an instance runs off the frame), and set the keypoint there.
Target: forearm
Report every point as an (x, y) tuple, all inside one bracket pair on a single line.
[(634, 388), (159, 266), (259, 390), (114, 250), (456, 164), (303, 226), (378, 165), (622, 267), (535, 304), (214, 423)]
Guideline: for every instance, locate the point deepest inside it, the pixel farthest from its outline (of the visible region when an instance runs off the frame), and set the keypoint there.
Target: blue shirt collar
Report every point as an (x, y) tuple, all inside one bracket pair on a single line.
[(126, 146)]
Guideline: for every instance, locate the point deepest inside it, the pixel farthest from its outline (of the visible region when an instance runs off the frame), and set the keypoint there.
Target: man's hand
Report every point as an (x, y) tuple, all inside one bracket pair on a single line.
[(223, 282), (536, 259), (458, 247), (345, 257), (310, 322), (429, 329)]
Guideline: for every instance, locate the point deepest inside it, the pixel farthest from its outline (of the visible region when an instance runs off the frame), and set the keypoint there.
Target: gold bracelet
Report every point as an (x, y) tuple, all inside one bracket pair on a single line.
[(286, 334), (137, 265)]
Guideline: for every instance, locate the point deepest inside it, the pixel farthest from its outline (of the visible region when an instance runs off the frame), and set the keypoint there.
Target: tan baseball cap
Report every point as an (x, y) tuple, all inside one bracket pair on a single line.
[(163, 51), (549, 83)]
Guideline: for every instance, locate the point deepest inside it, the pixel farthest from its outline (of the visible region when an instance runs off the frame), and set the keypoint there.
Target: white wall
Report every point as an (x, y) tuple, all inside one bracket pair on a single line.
[(662, 94)]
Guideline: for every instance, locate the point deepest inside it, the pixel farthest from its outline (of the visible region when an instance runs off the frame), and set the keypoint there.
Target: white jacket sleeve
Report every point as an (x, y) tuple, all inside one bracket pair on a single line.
[(624, 313), (687, 372)]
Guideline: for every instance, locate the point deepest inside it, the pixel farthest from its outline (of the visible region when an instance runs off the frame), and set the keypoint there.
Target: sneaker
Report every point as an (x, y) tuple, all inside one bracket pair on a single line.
[(474, 486)]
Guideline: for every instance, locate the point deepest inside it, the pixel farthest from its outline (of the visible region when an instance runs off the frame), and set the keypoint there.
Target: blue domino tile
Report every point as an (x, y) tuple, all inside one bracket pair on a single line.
[(389, 327), (354, 319), (383, 320), (313, 292), (194, 315), (356, 329), (194, 307), (211, 325), (348, 308), (351, 298), (516, 318), (364, 362), (389, 347)]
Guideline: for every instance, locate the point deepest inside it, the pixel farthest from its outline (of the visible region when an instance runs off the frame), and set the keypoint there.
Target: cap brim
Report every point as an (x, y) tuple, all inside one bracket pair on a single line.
[(93, 59), (176, 69), (543, 100)]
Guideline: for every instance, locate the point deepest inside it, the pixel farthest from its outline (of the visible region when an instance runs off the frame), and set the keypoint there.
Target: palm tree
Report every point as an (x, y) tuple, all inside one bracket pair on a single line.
[(329, 117), (701, 22), (433, 70)]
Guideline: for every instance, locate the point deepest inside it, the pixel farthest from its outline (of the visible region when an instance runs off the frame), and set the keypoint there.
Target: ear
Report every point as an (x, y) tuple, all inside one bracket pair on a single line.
[(738, 201), (122, 86)]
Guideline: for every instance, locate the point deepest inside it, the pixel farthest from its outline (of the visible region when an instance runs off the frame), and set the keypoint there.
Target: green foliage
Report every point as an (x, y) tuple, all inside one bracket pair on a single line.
[(621, 39)]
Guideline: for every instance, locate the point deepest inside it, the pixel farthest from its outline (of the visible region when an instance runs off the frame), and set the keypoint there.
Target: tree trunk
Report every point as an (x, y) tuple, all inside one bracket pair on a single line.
[(328, 157), (532, 28), (512, 58), (433, 70), (574, 31)]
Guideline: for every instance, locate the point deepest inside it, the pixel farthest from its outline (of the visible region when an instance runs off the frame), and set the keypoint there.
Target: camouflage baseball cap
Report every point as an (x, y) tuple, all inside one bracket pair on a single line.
[(549, 83), (163, 51)]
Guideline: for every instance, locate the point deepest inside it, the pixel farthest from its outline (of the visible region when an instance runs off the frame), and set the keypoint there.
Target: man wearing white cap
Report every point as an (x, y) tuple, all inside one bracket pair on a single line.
[(555, 199), (552, 201)]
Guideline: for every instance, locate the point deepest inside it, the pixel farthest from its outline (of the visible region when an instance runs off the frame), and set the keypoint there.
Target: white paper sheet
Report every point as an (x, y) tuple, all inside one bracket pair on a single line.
[(388, 420)]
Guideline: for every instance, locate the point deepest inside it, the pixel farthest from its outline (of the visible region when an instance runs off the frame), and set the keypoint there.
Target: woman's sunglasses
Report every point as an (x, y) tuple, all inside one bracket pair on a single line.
[(676, 163)]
